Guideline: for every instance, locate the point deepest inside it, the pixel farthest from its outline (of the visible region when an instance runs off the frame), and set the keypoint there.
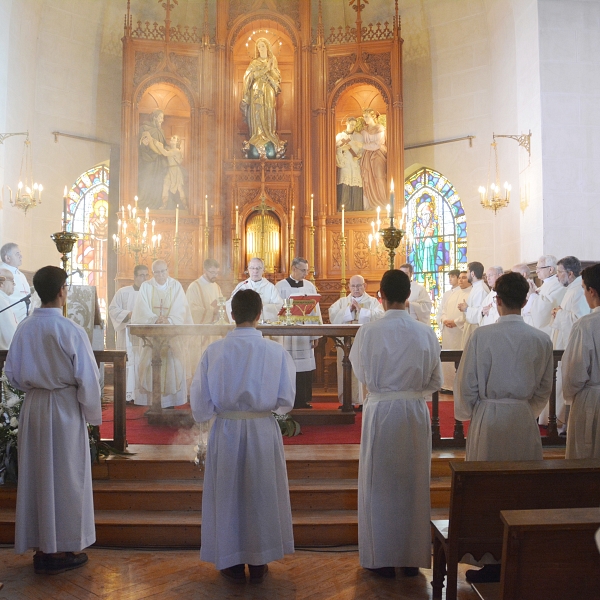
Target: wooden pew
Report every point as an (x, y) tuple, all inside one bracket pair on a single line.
[(549, 554), (480, 490)]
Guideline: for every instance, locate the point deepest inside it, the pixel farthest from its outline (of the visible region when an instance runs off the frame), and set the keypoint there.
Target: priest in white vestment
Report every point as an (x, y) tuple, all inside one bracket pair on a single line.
[(489, 309), (12, 259), (301, 348), (572, 307), (419, 302), (451, 322), (8, 321), (532, 296), (120, 311), (246, 513), (162, 301), (272, 301), (548, 296), (473, 305), (356, 308), (398, 359), (581, 374), (51, 360), (203, 295)]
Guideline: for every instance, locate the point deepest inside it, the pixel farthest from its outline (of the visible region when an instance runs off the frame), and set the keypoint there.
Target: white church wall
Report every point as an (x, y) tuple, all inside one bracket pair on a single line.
[(5, 8), (570, 105)]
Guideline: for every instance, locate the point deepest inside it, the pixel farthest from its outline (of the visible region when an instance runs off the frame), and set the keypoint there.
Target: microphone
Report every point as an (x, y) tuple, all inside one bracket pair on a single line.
[(78, 271)]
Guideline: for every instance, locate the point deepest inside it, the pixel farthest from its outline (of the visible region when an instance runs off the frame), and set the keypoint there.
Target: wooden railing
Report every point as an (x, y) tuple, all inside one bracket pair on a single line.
[(118, 358)]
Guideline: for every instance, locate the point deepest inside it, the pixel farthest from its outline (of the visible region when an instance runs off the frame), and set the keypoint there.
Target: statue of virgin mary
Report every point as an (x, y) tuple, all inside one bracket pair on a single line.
[(262, 81)]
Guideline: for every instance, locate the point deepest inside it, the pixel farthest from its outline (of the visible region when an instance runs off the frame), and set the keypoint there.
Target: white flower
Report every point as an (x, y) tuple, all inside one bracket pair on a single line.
[(14, 422), (13, 401)]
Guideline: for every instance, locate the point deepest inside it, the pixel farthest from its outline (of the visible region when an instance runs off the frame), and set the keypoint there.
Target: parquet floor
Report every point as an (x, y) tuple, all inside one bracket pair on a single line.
[(140, 574)]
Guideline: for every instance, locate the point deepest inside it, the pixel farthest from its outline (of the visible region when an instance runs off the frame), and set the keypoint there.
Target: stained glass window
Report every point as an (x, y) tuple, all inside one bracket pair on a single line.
[(87, 209), (436, 239)]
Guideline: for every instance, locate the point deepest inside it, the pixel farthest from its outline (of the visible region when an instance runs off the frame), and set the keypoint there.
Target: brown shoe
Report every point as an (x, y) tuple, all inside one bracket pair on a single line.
[(257, 573), (48, 564), (235, 574)]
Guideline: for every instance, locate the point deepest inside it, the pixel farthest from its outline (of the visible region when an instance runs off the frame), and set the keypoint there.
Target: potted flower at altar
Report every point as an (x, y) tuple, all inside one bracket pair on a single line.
[(11, 401)]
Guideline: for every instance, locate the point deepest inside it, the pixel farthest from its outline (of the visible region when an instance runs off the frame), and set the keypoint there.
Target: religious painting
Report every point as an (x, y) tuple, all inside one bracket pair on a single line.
[(436, 226), (163, 131), (361, 149)]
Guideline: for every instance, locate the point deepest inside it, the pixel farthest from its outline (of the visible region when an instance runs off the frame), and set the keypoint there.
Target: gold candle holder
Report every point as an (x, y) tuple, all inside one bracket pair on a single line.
[(292, 248), (391, 239), (64, 240), (236, 258)]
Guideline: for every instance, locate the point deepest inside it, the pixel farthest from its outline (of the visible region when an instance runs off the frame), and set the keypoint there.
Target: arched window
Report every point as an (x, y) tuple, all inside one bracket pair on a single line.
[(436, 231), (87, 208)]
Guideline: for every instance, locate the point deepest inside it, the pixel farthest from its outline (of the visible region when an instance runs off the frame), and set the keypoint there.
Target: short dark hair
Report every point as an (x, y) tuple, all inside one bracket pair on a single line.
[(211, 263), (395, 286), (571, 263), (454, 273), (138, 268), (591, 277), (48, 282), (512, 288), (246, 305), (477, 268), (407, 266), (8, 247)]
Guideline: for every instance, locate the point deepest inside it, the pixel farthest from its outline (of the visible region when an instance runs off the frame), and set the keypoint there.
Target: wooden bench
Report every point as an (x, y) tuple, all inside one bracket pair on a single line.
[(480, 490), (549, 554)]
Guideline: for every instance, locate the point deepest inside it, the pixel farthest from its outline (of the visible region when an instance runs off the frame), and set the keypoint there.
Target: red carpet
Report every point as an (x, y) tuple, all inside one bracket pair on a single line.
[(139, 432)]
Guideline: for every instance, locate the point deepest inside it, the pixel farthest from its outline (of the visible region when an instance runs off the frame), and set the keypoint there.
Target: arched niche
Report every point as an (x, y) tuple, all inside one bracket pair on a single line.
[(243, 49), (272, 237)]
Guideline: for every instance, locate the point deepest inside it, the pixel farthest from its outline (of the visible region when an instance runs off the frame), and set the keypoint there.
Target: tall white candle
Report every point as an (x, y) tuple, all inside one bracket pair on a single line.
[(292, 225), (177, 219), (312, 209), (237, 222), (343, 209)]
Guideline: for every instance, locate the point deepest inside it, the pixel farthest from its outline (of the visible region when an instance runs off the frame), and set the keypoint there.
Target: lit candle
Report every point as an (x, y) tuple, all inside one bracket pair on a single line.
[(292, 225), (136, 200), (153, 224), (147, 214), (312, 209), (123, 212), (206, 209), (388, 211), (177, 219), (158, 239), (134, 211), (370, 240), (237, 222), (343, 209), (392, 195)]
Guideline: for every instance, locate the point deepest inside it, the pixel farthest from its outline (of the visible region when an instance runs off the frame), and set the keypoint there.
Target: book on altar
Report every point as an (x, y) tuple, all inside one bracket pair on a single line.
[(302, 305)]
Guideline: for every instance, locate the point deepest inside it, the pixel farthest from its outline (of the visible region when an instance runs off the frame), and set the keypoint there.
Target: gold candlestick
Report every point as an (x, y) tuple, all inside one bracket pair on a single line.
[(64, 240), (236, 259), (343, 265)]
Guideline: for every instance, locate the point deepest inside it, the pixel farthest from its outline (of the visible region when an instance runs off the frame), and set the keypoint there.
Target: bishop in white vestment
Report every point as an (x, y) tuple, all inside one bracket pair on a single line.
[(162, 301), (398, 359), (548, 296), (581, 375), (246, 514), (356, 308), (489, 308), (51, 360), (120, 311)]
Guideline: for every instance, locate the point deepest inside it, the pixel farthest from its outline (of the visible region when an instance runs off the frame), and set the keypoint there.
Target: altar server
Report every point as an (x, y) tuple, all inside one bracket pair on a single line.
[(489, 309), (120, 311), (572, 307), (272, 301), (581, 374), (473, 305), (246, 514), (398, 359), (548, 296), (161, 301), (301, 348), (419, 302), (358, 308), (51, 360)]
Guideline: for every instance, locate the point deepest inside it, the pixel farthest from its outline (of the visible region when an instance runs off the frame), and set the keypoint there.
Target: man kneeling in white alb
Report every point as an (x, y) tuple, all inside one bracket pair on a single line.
[(51, 360), (246, 513), (398, 359), (502, 384)]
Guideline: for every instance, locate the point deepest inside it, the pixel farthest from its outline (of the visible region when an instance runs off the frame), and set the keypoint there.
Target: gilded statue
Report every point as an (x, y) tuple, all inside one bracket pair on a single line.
[(262, 83)]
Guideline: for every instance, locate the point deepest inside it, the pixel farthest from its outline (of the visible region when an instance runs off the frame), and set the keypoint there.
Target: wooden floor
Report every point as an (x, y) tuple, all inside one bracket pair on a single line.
[(138, 574)]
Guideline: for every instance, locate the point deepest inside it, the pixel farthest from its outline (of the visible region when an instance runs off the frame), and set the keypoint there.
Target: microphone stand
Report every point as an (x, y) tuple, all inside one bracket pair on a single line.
[(25, 299)]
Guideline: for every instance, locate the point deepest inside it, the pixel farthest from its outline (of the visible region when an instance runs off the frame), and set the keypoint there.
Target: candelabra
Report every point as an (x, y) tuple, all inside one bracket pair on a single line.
[(64, 240), (391, 240), (133, 238), (376, 244)]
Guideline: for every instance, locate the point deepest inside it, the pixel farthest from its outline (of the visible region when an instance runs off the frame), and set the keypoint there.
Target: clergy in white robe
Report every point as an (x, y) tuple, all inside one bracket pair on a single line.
[(246, 514), (548, 296), (8, 321), (532, 296), (419, 302), (162, 301), (489, 308), (504, 380), (12, 259), (356, 308), (51, 360), (451, 323), (272, 301), (120, 311), (203, 295), (398, 359), (301, 348), (581, 375), (473, 306)]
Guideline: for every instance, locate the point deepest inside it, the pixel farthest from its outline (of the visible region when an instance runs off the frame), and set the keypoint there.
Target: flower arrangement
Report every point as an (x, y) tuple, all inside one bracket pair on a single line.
[(289, 427), (11, 401)]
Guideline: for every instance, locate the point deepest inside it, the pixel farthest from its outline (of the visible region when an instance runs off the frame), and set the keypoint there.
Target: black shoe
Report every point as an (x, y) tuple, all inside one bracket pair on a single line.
[(487, 574), (387, 572), (52, 565), (410, 571), (446, 391), (257, 573), (235, 574)]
